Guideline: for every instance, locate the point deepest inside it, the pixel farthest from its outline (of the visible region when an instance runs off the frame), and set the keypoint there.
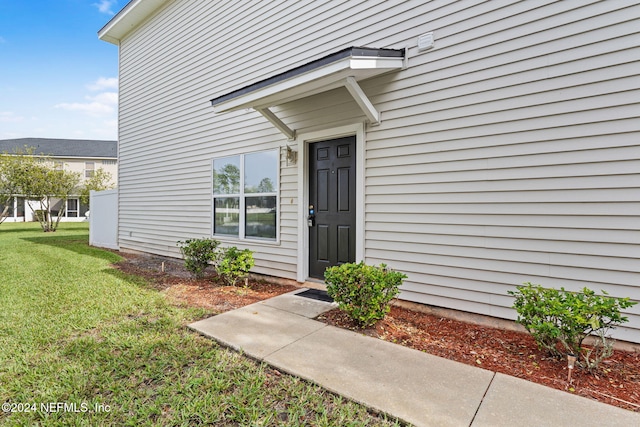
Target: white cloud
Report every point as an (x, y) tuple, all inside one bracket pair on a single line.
[(103, 104), (104, 6), (104, 83), (107, 98), (9, 117), (94, 115), (111, 124)]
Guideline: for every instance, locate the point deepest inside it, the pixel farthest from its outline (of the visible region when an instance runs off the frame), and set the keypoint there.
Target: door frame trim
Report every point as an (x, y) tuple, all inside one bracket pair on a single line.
[(303, 140)]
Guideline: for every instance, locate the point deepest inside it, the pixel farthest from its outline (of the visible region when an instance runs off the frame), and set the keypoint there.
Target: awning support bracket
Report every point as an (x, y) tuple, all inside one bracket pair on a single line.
[(351, 84), (268, 114), (361, 99)]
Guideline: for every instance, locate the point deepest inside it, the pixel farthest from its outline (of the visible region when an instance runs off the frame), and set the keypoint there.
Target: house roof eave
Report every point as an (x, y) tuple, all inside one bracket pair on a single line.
[(131, 15)]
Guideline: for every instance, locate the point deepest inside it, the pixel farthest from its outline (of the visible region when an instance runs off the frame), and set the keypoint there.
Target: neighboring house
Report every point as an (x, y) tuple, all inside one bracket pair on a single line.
[(76, 155), (473, 145)]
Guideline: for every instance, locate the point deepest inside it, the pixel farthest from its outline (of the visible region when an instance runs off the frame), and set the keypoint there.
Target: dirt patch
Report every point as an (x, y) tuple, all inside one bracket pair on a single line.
[(616, 382)]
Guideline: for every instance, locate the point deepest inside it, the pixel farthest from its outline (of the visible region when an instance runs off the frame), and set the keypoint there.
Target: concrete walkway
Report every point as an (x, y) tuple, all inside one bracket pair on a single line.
[(415, 387)]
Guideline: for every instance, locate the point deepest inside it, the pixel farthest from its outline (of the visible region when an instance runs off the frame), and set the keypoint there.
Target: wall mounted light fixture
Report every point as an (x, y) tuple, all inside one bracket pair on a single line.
[(291, 156)]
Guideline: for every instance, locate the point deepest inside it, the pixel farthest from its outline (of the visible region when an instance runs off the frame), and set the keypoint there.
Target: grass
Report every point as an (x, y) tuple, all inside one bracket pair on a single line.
[(83, 344)]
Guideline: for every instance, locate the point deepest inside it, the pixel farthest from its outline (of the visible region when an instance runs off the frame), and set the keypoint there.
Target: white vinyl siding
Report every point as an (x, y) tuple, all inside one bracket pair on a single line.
[(509, 152)]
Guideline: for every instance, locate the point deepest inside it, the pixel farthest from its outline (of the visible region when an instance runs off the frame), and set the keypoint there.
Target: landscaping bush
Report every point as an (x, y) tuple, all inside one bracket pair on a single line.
[(559, 320), (363, 291), (234, 264), (198, 253)]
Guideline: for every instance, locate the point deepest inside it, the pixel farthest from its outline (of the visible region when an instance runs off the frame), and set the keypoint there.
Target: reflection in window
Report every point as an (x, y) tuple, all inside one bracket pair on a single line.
[(226, 175), (261, 217), (245, 190), (260, 172), (226, 215)]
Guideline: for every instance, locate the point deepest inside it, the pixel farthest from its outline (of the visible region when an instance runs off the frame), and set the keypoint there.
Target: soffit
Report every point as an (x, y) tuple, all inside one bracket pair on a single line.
[(127, 19)]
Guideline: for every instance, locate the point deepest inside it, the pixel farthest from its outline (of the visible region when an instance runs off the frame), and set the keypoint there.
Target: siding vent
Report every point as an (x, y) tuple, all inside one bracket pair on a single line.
[(425, 42)]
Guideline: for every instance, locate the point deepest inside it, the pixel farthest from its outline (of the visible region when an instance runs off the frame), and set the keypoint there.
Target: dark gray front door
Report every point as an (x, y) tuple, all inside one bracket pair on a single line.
[(332, 184)]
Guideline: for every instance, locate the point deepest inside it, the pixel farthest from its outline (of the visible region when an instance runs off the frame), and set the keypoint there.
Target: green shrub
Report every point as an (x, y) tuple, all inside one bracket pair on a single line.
[(198, 253), (234, 264), (559, 320), (363, 291)]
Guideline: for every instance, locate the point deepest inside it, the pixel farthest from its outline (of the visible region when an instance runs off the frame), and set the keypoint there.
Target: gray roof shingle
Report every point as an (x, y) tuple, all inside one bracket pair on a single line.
[(89, 148)]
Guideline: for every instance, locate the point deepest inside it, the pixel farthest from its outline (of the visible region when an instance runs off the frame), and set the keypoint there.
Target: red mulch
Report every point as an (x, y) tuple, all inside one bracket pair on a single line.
[(616, 382), (208, 292)]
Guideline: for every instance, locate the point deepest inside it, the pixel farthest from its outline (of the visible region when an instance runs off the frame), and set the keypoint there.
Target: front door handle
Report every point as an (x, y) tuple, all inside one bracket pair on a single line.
[(311, 219)]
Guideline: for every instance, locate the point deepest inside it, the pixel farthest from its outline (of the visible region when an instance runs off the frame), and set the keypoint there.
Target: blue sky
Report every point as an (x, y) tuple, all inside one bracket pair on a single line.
[(57, 79)]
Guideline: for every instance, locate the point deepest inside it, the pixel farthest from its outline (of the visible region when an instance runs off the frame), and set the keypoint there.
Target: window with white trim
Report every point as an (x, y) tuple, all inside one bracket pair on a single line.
[(245, 195), (89, 168), (73, 208)]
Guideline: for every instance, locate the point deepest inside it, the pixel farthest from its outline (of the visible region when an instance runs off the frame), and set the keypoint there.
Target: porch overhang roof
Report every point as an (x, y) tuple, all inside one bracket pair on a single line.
[(343, 68)]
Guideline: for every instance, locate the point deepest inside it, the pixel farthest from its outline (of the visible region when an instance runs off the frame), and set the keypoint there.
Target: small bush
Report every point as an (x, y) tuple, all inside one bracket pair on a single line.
[(198, 253), (234, 264), (559, 320), (363, 291)]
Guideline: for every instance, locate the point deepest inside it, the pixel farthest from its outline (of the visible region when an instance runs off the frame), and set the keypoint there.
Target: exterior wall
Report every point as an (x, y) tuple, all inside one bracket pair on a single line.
[(507, 153), (79, 164)]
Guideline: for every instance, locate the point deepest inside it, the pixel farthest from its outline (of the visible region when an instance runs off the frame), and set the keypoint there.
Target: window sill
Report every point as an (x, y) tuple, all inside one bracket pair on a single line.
[(253, 242)]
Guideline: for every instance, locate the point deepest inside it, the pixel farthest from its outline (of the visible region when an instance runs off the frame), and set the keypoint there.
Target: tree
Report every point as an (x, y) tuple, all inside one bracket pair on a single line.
[(265, 186), (39, 181), (12, 167), (6, 190), (101, 180), (227, 181), (40, 184)]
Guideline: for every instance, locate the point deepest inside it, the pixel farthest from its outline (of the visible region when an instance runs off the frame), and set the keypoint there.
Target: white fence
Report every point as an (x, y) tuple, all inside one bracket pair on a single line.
[(103, 219)]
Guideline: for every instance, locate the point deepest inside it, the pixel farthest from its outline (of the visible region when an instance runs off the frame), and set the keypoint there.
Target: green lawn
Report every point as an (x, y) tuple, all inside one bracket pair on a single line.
[(83, 344)]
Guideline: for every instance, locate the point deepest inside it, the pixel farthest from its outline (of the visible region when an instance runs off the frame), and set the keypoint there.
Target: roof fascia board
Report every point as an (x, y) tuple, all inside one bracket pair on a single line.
[(311, 78), (374, 62), (134, 13)]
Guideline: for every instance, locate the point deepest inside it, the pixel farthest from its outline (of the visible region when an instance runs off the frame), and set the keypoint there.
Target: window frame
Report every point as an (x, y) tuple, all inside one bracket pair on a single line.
[(89, 172), (67, 210), (242, 196)]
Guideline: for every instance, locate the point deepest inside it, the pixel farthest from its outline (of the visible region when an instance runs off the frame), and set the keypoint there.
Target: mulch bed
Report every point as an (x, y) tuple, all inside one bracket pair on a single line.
[(616, 382)]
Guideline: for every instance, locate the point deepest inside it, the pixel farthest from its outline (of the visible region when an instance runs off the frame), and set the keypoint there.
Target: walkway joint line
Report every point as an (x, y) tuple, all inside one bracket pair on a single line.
[(482, 400)]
